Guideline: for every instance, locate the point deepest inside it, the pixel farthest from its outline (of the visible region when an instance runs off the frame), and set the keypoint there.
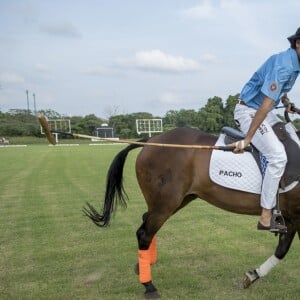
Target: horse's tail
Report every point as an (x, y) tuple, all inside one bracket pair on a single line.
[(115, 193)]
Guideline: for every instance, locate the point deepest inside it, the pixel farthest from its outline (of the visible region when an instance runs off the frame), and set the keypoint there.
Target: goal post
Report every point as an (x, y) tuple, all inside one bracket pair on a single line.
[(149, 126), (63, 125)]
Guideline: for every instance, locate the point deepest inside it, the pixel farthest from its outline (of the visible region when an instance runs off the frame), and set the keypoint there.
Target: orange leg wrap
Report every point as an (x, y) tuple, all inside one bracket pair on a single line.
[(144, 266), (153, 251)]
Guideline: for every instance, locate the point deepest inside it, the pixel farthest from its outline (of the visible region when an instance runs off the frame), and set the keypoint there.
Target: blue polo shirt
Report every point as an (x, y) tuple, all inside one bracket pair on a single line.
[(274, 78)]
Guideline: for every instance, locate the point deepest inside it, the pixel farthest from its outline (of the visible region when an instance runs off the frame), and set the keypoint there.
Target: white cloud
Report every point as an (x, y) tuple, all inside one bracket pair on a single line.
[(157, 60), (212, 47), (240, 21), (10, 77), (208, 9)]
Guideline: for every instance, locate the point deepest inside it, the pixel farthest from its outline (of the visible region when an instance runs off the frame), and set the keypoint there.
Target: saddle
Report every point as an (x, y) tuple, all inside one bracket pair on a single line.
[(292, 170)]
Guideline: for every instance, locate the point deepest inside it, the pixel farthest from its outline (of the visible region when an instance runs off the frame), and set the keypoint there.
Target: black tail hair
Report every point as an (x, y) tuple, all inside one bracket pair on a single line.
[(115, 193)]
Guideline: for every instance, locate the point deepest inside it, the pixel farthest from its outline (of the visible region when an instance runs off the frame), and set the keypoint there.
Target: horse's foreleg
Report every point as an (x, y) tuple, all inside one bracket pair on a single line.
[(285, 240)]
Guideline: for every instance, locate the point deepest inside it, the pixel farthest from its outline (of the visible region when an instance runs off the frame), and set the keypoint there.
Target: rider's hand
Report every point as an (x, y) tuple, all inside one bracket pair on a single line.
[(239, 146), (287, 104), (285, 100), (290, 108)]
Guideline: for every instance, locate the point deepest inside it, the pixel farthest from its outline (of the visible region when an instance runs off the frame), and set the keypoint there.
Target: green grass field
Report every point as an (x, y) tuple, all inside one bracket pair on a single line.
[(49, 250)]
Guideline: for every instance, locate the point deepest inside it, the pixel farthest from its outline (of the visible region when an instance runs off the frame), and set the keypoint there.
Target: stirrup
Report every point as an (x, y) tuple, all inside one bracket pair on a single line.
[(277, 222)]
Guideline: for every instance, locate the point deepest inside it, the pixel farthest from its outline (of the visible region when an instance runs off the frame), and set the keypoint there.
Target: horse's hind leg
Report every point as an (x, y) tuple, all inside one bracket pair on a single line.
[(147, 253), (285, 241), (152, 249), (153, 245)]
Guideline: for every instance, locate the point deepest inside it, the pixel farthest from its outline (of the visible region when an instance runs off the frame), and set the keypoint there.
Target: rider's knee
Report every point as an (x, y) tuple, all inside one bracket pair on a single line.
[(278, 159)]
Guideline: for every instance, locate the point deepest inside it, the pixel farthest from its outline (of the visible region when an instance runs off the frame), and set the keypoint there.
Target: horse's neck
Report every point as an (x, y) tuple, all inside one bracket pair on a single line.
[(287, 135)]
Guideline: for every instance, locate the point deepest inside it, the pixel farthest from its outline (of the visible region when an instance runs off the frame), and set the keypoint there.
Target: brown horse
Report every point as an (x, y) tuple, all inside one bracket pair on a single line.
[(170, 178)]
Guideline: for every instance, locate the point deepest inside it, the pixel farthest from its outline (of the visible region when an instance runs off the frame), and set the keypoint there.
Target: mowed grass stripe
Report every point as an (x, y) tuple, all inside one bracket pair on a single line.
[(16, 199), (48, 250), (47, 217)]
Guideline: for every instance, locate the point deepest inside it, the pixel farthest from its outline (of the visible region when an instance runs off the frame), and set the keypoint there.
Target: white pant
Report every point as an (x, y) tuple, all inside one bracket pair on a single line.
[(266, 141)]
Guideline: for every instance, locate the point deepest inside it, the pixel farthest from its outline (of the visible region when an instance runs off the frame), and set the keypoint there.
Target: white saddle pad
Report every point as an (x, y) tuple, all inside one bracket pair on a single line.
[(237, 171)]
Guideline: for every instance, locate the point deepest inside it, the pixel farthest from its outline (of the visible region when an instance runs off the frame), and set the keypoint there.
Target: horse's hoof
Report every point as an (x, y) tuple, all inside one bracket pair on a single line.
[(249, 278), (246, 282), (136, 269), (152, 295), (151, 291)]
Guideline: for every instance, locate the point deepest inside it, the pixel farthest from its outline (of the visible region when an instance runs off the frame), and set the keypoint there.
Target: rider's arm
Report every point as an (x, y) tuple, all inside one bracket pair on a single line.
[(260, 115)]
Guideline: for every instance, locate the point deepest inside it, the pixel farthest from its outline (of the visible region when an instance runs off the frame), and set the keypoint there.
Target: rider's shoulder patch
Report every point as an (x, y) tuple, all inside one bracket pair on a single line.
[(273, 87)]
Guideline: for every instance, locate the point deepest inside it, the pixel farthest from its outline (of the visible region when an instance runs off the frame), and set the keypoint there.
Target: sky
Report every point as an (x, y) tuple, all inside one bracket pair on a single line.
[(108, 57)]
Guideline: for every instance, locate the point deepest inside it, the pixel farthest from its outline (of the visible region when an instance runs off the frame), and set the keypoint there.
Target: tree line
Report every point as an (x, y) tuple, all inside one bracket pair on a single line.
[(210, 118)]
